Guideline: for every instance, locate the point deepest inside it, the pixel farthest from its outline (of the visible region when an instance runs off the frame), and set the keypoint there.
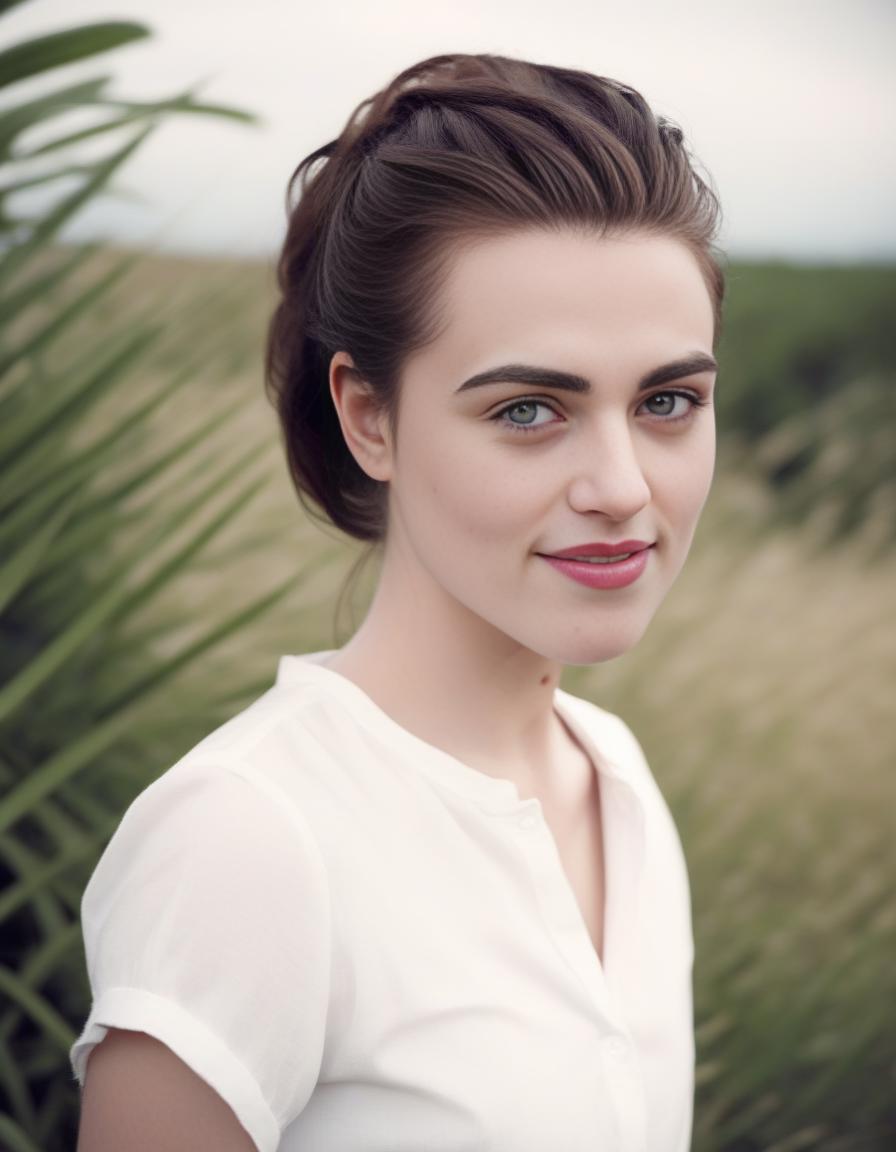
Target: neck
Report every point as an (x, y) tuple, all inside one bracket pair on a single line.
[(452, 679)]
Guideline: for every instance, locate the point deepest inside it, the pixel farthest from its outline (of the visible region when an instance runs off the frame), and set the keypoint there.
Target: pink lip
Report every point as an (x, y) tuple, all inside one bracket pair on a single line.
[(602, 549), (616, 575)]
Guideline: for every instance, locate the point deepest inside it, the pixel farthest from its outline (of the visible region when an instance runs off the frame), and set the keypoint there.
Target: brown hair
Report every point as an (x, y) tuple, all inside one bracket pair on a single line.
[(454, 148)]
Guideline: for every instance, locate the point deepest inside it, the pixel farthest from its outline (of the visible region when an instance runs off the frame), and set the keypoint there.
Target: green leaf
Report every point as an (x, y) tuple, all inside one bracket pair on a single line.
[(237, 623), (44, 53), (132, 114), (35, 182), (15, 1085), (49, 913), (112, 500), (13, 1138), (82, 134), (16, 120), (187, 104), (44, 336), (39, 287), (17, 258), (22, 563), (37, 1008), (115, 597), (6, 5), (70, 758), (26, 428)]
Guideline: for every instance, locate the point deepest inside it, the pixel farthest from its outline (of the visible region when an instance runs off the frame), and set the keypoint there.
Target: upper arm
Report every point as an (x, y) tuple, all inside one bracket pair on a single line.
[(139, 1095), (207, 929)]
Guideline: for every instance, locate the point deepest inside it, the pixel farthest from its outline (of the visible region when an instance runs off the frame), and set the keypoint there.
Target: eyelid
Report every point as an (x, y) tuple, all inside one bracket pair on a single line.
[(528, 398), (508, 405), (551, 401), (697, 398)]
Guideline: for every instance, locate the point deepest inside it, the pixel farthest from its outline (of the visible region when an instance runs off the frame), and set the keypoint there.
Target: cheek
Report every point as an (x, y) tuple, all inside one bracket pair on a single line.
[(705, 458), (688, 472), (463, 491), (685, 487)]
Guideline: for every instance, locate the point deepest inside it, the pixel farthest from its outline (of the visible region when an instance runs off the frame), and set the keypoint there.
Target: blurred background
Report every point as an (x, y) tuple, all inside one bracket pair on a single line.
[(154, 560)]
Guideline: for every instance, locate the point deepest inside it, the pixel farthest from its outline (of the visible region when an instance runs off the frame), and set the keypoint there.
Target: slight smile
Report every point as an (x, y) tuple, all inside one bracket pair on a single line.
[(602, 565)]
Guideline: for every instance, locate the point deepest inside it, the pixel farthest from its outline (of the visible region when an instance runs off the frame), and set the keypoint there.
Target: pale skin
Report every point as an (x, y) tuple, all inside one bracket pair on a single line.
[(469, 628)]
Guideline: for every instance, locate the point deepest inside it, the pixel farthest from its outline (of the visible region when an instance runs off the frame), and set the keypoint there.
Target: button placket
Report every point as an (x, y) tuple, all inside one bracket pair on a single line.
[(560, 912), (616, 1049), (620, 1062)]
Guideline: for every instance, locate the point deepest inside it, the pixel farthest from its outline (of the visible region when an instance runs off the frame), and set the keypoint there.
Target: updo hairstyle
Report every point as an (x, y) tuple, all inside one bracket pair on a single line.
[(456, 148)]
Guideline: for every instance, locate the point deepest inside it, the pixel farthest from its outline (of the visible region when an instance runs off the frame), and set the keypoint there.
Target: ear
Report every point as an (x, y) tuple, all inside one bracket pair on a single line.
[(364, 426)]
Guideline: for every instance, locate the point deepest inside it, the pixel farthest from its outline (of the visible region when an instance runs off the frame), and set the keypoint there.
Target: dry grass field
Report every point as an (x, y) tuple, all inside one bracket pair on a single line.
[(762, 694)]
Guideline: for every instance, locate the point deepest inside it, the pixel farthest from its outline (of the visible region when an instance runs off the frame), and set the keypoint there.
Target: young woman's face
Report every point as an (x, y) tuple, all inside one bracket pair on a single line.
[(490, 478)]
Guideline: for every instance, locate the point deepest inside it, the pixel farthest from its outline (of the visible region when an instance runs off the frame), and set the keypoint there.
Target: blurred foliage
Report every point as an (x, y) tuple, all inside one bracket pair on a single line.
[(760, 693), (96, 523), (807, 390)]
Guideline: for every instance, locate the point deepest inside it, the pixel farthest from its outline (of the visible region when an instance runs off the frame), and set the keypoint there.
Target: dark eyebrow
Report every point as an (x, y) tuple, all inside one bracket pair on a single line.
[(568, 381)]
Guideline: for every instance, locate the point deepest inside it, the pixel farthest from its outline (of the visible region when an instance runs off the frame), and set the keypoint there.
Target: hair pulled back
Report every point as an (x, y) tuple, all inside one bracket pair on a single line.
[(455, 148)]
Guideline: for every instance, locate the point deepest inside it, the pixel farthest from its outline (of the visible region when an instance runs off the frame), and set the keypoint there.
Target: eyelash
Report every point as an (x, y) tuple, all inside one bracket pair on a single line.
[(696, 402)]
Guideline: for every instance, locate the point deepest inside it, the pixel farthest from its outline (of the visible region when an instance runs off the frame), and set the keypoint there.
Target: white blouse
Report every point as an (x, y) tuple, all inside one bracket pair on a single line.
[(365, 945)]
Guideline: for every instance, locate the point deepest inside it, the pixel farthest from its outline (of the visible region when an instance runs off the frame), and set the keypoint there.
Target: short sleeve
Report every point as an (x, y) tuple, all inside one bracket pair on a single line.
[(206, 924)]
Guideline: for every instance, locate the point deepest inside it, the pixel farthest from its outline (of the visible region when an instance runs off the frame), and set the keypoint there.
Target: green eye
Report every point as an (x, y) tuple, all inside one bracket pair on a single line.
[(526, 407), (528, 410)]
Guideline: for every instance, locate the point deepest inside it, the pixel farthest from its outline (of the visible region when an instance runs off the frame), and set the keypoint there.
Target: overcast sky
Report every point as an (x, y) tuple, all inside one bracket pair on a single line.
[(788, 103)]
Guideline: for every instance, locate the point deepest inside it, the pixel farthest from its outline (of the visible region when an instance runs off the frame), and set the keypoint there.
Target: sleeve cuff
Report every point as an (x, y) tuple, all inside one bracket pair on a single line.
[(142, 1011)]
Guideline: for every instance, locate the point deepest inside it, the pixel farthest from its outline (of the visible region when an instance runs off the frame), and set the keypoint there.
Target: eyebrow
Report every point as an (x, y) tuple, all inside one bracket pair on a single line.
[(527, 374)]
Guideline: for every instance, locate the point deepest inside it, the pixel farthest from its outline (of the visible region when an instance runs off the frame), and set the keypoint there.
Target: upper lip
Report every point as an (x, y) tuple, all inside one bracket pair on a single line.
[(600, 549)]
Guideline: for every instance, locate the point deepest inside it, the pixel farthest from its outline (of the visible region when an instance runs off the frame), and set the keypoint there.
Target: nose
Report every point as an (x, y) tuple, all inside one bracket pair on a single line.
[(607, 474)]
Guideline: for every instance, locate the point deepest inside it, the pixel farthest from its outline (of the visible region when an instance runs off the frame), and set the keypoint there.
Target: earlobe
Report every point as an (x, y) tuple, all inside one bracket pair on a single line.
[(363, 422)]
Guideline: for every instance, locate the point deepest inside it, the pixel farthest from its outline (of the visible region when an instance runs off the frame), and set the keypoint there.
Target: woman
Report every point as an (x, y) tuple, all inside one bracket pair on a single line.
[(416, 896)]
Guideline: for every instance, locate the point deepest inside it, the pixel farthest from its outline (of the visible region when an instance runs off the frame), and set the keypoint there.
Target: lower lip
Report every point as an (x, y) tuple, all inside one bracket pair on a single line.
[(616, 575)]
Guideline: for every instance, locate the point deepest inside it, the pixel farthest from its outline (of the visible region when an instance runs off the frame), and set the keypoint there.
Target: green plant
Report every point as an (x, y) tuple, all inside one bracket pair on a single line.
[(805, 392), (96, 523)]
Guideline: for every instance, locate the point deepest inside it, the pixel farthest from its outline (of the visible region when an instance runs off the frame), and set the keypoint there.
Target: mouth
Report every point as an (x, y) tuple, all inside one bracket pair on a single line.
[(600, 553), (596, 559), (601, 571)]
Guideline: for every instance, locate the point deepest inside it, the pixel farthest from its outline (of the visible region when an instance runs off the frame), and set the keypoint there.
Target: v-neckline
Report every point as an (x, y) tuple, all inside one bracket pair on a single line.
[(596, 858), (621, 808), (495, 792)]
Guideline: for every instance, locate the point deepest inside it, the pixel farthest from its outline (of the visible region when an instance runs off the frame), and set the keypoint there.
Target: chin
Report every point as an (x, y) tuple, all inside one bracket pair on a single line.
[(593, 646)]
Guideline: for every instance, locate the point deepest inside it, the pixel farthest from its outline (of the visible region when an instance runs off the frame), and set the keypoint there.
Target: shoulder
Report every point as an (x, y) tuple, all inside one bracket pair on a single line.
[(207, 925), (269, 791), (297, 744), (206, 841)]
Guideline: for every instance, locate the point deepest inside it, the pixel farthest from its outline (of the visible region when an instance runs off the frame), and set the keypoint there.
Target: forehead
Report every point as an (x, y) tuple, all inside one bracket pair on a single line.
[(569, 299)]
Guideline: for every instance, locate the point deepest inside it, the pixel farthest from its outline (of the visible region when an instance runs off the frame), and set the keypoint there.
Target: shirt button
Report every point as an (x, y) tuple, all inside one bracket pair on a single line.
[(616, 1049), (527, 823)]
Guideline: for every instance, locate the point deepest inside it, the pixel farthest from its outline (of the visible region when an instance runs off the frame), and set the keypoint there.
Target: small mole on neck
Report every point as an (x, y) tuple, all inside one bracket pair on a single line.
[(545, 679)]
